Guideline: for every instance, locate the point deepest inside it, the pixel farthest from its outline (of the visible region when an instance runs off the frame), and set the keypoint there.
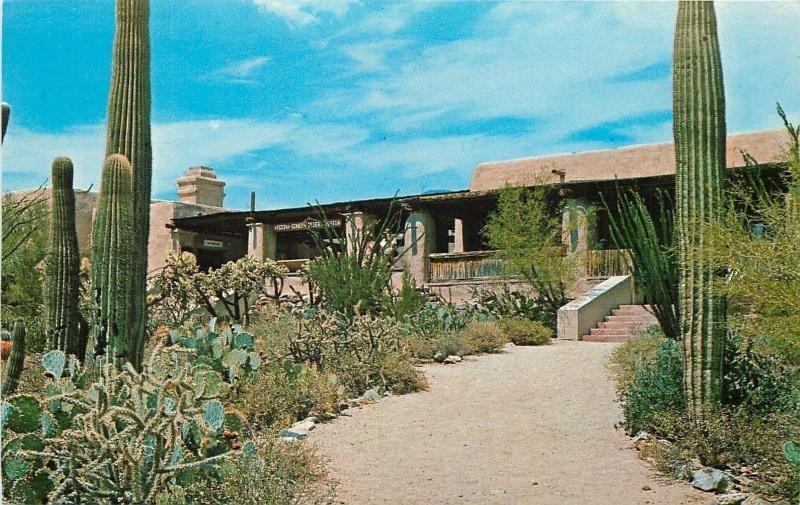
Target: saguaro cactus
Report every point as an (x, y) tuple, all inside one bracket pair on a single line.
[(111, 261), (6, 109), (129, 134), (699, 130), (63, 264), (16, 360)]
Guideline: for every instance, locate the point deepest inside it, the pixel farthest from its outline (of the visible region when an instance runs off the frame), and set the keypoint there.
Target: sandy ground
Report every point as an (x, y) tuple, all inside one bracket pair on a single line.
[(533, 425)]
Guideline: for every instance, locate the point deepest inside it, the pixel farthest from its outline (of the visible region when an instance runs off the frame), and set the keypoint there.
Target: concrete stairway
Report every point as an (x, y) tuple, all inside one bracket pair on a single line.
[(622, 324)]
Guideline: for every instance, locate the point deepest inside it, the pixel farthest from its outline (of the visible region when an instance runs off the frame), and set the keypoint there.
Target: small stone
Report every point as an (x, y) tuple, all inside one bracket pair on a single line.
[(371, 394), (710, 479), (452, 359), (755, 500), (534, 483), (732, 498), (646, 488), (290, 435), (438, 357)]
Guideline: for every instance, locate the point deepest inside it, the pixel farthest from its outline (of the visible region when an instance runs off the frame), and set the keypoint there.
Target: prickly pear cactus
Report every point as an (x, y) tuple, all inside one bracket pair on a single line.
[(230, 352)]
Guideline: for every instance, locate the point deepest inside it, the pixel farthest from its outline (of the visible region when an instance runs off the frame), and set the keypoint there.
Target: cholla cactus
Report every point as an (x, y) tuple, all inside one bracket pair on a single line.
[(122, 438), (62, 266)]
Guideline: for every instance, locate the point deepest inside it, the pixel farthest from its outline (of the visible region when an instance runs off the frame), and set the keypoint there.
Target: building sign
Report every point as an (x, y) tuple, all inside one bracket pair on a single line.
[(213, 244), (308, 224)]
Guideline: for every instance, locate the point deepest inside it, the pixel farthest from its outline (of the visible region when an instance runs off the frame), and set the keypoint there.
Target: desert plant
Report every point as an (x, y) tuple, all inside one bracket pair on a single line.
[(120, 438), (128, 133), (656, 390), (6, 116), (483, 337), (62, 265), (506, 303), (652, 255), (699, 131), (527, 234), (353, 271), (16, 360), (111, 257), (526, 332)]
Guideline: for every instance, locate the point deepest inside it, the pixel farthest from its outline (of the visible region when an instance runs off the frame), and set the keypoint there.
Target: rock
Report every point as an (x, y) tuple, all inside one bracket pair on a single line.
[(646, 488), (755, 500), (710, 479), (371, 394), (438, 357), (732, 498), (452, 359), (305, 425), (290, 435)]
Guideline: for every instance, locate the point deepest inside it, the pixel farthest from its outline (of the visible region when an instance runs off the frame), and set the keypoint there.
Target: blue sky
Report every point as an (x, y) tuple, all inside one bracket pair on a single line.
[(340, 99)]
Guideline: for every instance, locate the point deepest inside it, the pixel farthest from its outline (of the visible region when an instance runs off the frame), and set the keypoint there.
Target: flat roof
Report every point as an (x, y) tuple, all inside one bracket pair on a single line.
[(630, 162)]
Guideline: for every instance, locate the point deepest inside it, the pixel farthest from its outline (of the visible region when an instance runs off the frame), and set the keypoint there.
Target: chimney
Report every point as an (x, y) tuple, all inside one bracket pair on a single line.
[(201, 186)]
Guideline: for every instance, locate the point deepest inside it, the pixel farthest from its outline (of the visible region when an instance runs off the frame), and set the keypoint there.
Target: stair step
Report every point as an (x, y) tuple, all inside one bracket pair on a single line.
[(606, 338), (609, 331), (624, 325), (632, 319)]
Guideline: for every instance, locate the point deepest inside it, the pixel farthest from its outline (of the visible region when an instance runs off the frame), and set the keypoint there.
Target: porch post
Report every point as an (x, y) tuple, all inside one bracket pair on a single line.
[(420, 241), (261, 241), (354, 224), (458, 239)]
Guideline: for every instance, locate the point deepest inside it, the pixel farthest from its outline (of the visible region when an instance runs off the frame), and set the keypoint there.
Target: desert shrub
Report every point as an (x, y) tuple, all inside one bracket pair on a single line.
[(526, 332), (353, 273), (629, 357), (505, 304), (657, 389), (280, 395), (527, 234), (438, 346), (434, 319), (483, 337), (409, 300), (275, 473)]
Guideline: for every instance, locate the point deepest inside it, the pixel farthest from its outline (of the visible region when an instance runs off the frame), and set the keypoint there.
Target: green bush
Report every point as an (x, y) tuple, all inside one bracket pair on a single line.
[(483, 337), (278, 396), (629, 357), (526, 332), (657, 388), (275, 473)]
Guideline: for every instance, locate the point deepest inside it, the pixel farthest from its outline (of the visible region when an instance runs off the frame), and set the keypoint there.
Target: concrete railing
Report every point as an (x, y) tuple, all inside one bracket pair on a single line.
[(579, 316)]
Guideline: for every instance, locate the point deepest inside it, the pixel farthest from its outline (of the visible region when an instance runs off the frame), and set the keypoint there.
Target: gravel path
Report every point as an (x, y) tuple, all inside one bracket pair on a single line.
[(533, 425)]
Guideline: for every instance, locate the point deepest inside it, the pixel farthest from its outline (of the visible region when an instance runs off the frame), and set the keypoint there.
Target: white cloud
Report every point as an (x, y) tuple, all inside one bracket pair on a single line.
[(240, 72), (371, 56), (304, 12)]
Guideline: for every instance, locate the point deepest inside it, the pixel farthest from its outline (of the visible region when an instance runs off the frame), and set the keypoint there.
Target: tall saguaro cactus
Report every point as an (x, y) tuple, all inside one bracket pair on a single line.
[(129, 134), (63, 264), (699, 130), (16, 360), (112, 240)]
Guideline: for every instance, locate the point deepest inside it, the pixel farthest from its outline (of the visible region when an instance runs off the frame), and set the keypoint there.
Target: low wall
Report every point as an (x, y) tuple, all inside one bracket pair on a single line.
[(579, 316)]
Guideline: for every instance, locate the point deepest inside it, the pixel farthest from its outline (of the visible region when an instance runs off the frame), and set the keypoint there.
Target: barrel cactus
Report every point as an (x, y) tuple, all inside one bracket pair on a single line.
[(129, 134), (699, 131), (111, 261), (63, 263), (16, 360)]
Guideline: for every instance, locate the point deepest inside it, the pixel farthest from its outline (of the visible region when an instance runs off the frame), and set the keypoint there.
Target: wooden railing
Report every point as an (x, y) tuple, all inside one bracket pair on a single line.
[(444, 267), (606, 263)]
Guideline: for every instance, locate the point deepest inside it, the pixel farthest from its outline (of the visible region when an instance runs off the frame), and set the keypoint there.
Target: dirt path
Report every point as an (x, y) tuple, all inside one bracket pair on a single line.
[(534, 425)]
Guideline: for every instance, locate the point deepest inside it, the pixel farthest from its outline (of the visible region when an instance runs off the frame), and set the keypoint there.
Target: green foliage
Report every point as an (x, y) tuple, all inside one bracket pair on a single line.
[(128, 133), (62, 280), (632, 355), (651, 244), (23, 415), (273, 473), (526, 332), (436, 318), (353, 273), (507, 304), (657, 388), (409, 299), (699, 131), (15, 362), (527, 233), (483, 337), (283, 393), (111, 263), (24, 245)]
